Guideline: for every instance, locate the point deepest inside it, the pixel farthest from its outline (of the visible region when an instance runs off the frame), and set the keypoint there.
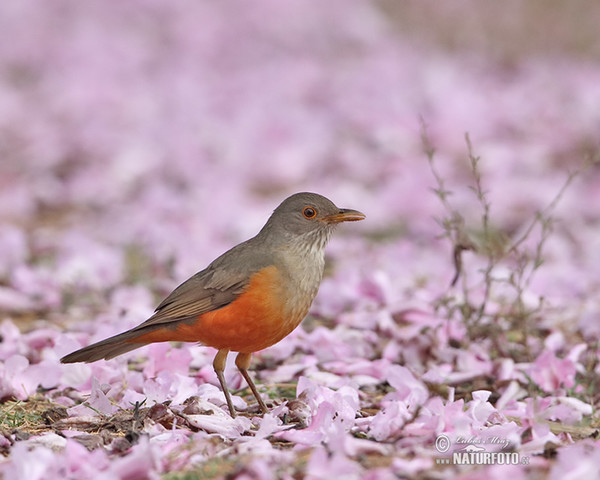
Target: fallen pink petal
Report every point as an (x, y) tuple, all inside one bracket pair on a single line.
[(455, 330)]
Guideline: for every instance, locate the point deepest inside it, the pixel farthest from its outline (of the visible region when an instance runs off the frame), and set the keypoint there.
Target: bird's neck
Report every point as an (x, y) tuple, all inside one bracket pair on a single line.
[(305, 258)]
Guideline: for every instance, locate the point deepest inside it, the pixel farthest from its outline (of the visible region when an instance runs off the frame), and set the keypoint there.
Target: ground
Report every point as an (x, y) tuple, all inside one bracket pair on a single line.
[(456, 328)]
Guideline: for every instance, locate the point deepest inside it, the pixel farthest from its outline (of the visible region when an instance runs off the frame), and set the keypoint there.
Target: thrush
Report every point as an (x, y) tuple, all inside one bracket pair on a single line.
[(247, 299)]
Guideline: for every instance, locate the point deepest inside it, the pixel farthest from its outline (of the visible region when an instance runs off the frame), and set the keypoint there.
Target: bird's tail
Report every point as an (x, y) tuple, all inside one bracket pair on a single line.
[(106, 349)]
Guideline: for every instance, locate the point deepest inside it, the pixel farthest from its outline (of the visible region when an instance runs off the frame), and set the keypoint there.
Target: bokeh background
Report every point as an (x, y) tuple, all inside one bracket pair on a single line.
[(139, 139)]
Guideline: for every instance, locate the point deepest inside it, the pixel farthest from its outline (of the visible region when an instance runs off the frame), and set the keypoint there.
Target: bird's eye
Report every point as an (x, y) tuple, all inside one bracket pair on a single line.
[(309, 212)]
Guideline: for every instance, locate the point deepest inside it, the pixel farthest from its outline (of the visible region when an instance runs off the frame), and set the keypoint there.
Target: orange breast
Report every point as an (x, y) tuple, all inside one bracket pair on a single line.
[(258, 318)]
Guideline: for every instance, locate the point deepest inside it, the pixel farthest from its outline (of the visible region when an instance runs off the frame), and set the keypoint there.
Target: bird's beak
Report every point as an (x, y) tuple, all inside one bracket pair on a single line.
[(344, 215)]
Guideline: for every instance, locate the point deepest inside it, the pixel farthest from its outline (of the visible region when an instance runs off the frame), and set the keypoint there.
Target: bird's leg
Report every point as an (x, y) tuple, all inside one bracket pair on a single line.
[(242, 361), (219, 366)]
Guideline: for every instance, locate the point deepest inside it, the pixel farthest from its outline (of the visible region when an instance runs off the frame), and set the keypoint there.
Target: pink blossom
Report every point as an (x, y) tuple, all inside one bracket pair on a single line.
[(98, 399), (161, 356), (39, 284), (389, 422), (408, 388), (344, 399), (321, 462), (13, 247), (479, 408), (552, 373), (140, 140), (166, 385), (221, 423), (142, 462), (26, 463), (14, 300), (581, 460), (440, 416)]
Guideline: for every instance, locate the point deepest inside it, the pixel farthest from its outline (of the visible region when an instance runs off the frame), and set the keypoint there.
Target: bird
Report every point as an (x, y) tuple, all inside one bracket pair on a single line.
[(247, 299)]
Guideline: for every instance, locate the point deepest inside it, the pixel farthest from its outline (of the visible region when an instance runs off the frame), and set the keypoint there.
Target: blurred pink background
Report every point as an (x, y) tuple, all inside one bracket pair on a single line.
[(141, 138)]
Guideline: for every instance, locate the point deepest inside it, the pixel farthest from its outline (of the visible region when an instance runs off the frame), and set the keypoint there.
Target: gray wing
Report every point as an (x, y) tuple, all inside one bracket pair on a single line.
[(214, 287)]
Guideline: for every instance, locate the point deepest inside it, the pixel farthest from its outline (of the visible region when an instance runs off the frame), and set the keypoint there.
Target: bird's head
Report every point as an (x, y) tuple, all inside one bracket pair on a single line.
[(307, 216)]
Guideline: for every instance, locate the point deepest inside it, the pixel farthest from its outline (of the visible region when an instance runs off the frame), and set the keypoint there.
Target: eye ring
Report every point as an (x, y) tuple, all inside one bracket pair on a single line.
[(309, 212)]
